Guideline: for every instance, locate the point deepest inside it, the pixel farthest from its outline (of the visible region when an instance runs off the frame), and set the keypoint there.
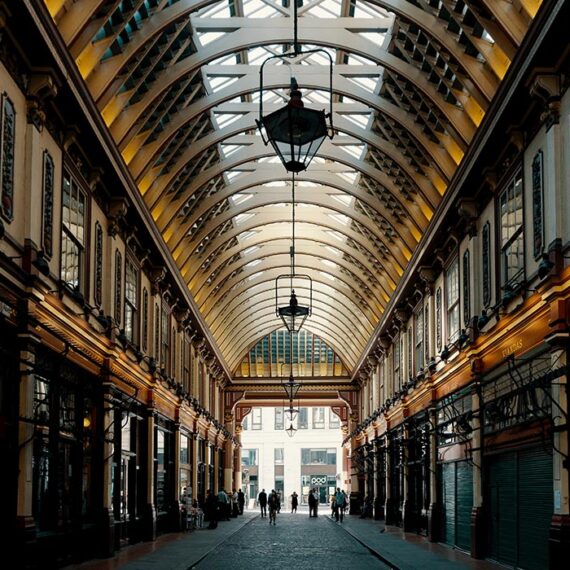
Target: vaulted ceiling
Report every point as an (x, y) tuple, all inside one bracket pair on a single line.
[(177, 83)]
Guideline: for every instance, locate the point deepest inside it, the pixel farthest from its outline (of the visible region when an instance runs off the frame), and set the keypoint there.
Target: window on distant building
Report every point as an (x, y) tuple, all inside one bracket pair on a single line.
[(303, 421), (334, 421), (279, 455), (279, 418), (249, 457), (318, 418), (318, 456), (256, 418)]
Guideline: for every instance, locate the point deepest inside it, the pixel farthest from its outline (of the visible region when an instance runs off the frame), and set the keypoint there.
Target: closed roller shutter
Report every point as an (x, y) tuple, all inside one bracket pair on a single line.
[(448, 500), (464, 474), (535, 507), (457, 501), (519, 499)]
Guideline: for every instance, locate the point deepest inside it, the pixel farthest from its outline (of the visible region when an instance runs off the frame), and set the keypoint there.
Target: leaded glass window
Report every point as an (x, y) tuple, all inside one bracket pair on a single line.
[(131, 299), (47, 212), (511, 231), (486, 269), (438, 335), (419, 340), (98, 277), (73, 232), (145, 320), (118, 285), (452, 298), (537, 205), (7, 147), (466, 288)]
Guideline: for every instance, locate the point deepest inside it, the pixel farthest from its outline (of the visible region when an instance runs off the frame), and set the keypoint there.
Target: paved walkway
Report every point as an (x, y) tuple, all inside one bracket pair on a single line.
[(250, 543)]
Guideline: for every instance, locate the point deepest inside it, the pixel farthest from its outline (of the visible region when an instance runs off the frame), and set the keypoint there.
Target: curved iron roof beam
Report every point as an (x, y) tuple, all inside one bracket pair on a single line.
[(140, 155), (251, 278), (319, 304), (265, 290), (459, 123), (343, 334), (271, 198), (281, 262), (320, 196), (339, 287), (206, 287), (354, 256), (185, 256)]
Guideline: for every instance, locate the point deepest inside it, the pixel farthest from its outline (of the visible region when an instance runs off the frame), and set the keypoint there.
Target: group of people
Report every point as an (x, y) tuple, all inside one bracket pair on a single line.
[(273, 501), (339, 502), (223, 506)]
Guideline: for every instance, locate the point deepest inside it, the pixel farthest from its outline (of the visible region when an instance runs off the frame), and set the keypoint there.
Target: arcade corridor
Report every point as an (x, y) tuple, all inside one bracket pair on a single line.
[(292, 245)]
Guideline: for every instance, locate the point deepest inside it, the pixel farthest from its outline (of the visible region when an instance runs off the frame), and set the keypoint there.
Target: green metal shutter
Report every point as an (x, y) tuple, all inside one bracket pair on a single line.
[(502, 500), (448, 501), (464, 505), (535, 507)]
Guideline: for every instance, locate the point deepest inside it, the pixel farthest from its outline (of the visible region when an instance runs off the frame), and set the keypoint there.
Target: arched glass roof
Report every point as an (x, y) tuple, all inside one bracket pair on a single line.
[(177, 83)]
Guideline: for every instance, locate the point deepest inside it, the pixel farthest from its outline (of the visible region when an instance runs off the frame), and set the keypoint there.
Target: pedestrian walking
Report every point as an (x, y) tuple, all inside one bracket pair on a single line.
[(241, 501), (262, 500), (294, 502)]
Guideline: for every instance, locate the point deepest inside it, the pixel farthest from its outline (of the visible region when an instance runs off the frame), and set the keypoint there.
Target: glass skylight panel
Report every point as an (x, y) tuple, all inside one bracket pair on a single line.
[(219, 9), (221, 82), (225, 119), (344, 199), (250, 250), (366, 83), (327, 275), (253, 263), (241, 198), (353, 149), (246, 235), (336, 235), (240, 218), (340, 218), (255, 276), (275, 184), (209, 37), (229, 149), (333, 250), (330, 263), (359, 119), (350, 176)]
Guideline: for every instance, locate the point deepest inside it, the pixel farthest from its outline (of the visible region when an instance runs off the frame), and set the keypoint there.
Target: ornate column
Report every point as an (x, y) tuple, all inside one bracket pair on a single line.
[(378, 481), (237, 458), (176, 513), (478, 530), (389, 510), (215, 483), (104, 455), (434, 513), (25, 519), (194, 463), (408, 518), (148, 523), (229, 453)]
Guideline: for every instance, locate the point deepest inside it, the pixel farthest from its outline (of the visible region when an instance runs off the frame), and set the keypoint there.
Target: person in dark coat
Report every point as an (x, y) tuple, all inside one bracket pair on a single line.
[(262, 500), (241, 501), (294, 502), (312, 504), (211, 509)]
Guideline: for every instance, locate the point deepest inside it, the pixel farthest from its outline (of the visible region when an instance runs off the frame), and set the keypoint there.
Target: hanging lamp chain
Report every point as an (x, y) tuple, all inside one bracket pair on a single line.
[(295, 30)]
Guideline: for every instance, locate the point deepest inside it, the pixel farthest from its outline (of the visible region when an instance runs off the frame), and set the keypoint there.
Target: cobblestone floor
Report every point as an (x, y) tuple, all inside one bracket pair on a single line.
[(296, 541)]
